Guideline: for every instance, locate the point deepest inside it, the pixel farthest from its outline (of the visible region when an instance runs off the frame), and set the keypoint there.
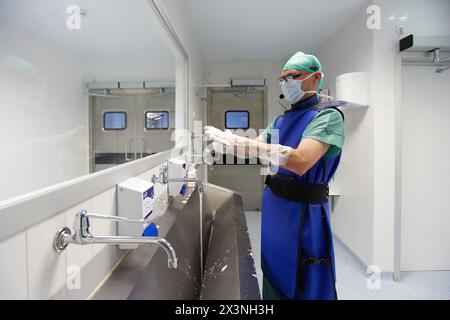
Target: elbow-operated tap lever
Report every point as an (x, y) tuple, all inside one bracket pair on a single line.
[(82, 236), (164, 179)]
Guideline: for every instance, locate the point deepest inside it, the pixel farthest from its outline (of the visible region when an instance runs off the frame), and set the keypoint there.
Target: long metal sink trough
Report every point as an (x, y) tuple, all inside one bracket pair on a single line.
[(229, 269)]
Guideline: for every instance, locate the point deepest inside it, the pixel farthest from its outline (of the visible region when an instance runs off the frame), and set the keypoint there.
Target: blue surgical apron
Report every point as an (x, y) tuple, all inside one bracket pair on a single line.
[(292, 230)]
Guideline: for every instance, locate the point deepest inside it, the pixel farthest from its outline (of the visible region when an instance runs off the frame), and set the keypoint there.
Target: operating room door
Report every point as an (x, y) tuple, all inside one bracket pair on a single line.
[(113, 131), (155, 135), (247, 109)]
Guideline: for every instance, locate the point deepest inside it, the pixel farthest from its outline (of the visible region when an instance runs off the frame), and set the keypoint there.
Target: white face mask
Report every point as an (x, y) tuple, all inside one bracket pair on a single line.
[(292, 89)]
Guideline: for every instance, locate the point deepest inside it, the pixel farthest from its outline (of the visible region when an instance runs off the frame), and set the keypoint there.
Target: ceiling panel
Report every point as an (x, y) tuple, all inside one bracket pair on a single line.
[(266, 29)]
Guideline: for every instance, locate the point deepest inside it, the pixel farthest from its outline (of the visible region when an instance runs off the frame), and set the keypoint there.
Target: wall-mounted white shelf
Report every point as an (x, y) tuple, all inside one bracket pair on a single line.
[(353, 105), (353, 88)]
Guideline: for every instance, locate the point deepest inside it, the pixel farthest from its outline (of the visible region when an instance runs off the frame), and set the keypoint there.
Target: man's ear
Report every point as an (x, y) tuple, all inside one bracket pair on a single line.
[(317, 77)]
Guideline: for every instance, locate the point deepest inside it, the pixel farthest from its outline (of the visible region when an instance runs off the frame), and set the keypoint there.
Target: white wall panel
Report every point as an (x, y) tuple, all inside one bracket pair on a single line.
[(46, 267), (13, 272), (426, 141), (350, 50)]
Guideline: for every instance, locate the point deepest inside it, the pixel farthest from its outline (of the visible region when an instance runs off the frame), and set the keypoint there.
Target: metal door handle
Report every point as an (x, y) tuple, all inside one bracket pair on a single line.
[(126, 150), (142, 147)]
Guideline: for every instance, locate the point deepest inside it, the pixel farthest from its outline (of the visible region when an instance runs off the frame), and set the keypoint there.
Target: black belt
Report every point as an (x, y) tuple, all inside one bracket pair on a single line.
[(290, 189)]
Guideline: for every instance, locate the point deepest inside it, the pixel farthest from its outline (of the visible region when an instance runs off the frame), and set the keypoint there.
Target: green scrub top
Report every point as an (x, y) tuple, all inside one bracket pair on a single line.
[(327, 127)]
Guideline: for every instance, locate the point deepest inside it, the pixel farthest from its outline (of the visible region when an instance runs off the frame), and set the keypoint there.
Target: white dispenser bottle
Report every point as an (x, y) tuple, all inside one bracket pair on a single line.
[(135, 200)]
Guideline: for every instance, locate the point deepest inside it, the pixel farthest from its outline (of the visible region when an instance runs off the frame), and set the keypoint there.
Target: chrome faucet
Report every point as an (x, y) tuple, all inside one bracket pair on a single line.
[(164, 179), (82, 235)]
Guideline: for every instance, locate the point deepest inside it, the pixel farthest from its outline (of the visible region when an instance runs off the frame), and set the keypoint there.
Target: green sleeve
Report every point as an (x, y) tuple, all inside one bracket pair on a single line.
[(327, 127), (268, 132)]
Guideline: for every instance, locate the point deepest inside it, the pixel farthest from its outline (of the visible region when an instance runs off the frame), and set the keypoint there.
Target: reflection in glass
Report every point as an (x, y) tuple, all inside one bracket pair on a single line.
[(157, 120), (52, 127)]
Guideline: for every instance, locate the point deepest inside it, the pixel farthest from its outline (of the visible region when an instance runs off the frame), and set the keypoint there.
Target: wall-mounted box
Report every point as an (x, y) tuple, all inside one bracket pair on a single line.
[(176, 169), (135, 200), (414, 43), (353, 88)]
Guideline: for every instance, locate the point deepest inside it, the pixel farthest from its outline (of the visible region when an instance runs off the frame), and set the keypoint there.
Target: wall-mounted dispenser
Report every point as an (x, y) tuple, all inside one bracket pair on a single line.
[(177, 169), (135, 200), (354, 89)]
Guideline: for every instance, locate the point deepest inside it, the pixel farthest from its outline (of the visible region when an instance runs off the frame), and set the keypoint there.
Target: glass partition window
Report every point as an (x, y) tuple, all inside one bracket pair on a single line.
[(84, 92), (114, 121), (157, 120), (237, 120)]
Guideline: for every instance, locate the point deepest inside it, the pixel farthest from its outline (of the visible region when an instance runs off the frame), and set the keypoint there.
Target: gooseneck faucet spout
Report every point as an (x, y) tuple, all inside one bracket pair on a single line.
[(82, 236)]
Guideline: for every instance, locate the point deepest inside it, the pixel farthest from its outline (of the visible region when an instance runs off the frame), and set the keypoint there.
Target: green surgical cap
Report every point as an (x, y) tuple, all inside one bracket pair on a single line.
[(304, 62)]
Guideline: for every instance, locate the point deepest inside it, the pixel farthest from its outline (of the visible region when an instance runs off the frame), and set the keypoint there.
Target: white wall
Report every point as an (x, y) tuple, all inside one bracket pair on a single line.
[(196, 92), (365, 215), (176, 12), (350, 50), (220, 72), (426, 137), (129, 70), (424, 18)]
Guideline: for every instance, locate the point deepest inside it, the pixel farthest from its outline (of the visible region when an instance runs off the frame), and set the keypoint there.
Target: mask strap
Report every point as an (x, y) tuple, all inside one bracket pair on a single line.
[(309, 76), (321, 79)]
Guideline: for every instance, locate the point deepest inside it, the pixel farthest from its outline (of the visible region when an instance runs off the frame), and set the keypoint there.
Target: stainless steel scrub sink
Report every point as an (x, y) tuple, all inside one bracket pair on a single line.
[(229, 270)]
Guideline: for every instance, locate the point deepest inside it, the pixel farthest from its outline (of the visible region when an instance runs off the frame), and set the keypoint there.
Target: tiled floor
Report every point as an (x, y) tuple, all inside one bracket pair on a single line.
[(352, 276)]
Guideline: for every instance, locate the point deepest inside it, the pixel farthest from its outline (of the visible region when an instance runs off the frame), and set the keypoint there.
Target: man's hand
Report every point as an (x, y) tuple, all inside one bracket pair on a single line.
[(214, 134), (299, 160), (243, 147), (222, 141)]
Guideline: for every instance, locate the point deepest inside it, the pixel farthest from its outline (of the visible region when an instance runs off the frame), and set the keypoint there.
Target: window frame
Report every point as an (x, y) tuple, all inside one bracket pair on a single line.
[(243, 111), (157, 111), (116, 129)]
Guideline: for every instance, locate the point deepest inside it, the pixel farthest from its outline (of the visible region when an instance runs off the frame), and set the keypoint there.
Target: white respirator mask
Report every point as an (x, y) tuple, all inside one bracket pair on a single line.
[(292, 89)]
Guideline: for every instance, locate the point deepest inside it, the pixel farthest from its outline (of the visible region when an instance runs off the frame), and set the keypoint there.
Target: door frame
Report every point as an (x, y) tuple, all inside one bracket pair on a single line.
[(398, 122), (230, 89), (400, 63), (210, 91)]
